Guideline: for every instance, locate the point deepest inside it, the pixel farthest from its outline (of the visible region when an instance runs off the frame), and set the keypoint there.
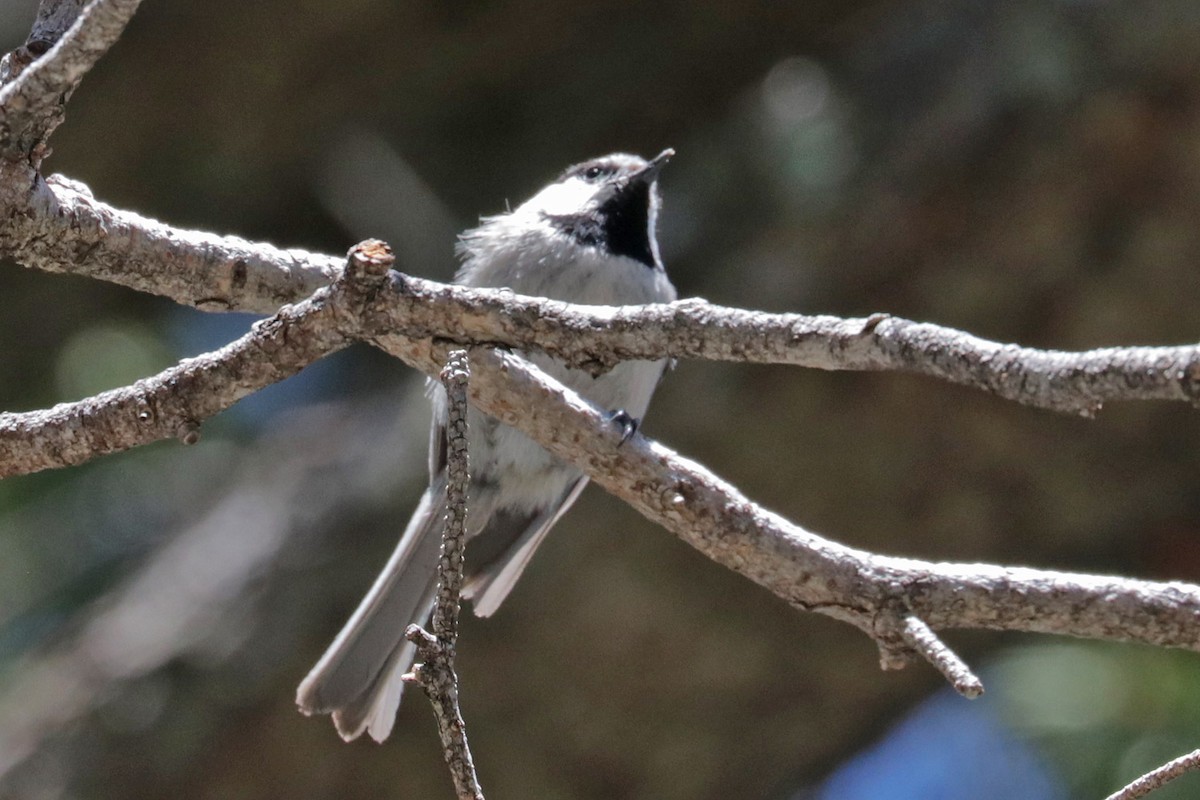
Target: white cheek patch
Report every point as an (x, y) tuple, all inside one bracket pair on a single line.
[(559, 199), (652, 223)]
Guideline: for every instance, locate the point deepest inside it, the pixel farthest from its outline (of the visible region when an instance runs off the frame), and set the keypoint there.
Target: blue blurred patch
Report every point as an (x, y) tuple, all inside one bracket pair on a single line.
[(194, 332), (947, 748)]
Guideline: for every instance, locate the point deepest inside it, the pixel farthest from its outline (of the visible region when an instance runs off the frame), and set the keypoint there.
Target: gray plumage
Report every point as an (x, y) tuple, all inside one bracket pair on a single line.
[(588, 237)]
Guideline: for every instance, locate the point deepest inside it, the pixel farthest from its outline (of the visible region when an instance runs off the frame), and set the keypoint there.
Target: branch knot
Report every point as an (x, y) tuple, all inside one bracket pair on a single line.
[(368, 263)]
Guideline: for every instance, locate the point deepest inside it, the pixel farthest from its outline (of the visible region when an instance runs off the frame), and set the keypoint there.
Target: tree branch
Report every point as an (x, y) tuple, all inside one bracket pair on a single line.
[(53, 19), (32, 101), (1157, 778), (175, 401), (804, 569), (59, 227), (436, 651), (454, 376), (598, 337), (922, 641), (322, 467)]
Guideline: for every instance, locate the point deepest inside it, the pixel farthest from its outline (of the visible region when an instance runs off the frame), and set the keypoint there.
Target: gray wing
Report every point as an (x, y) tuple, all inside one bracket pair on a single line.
[(500, 552), (500, 549)]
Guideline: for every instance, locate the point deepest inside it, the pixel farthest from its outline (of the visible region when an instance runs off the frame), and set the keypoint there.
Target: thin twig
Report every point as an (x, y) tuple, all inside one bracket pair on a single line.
[(436, 673), (458, 475), (923, 641), (1157, 778)]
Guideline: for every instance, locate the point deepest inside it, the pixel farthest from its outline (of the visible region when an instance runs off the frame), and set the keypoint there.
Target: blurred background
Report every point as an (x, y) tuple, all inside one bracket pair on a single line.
[(1028, 171)]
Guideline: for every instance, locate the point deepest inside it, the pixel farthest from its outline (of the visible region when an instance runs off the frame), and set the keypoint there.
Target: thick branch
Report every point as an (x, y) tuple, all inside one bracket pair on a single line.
[(598, 337), (57, 226), (803, 569), (53, 19), (806, 570), (175, 401), (31, 104), (61, 228)]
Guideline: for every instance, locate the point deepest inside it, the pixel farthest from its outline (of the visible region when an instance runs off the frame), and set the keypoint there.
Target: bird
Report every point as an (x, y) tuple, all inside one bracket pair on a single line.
[(588, 237)]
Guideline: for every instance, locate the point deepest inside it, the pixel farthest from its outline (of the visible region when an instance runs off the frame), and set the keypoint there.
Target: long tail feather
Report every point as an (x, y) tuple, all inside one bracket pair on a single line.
[(358, 677)]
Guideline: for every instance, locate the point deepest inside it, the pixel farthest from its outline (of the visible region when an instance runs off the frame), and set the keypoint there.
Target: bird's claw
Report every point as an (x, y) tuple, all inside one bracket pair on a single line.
[(626, 422)]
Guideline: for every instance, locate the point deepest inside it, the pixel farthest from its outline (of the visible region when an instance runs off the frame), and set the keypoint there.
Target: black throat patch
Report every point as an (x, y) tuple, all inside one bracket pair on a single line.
[(621, 225)]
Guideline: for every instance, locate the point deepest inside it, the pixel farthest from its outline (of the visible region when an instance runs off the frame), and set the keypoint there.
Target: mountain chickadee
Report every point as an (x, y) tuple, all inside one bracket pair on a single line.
[(588, 237)]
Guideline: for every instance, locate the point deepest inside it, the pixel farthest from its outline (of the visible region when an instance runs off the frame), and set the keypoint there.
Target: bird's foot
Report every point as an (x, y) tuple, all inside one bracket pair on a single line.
[(626, 422)]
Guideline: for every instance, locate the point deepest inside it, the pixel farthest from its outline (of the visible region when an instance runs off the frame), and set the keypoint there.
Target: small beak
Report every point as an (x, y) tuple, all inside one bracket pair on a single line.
[(649, 173)]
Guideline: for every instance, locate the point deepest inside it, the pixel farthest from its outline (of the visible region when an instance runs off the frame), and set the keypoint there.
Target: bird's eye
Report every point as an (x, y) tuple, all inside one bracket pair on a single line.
[(592, 173)]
